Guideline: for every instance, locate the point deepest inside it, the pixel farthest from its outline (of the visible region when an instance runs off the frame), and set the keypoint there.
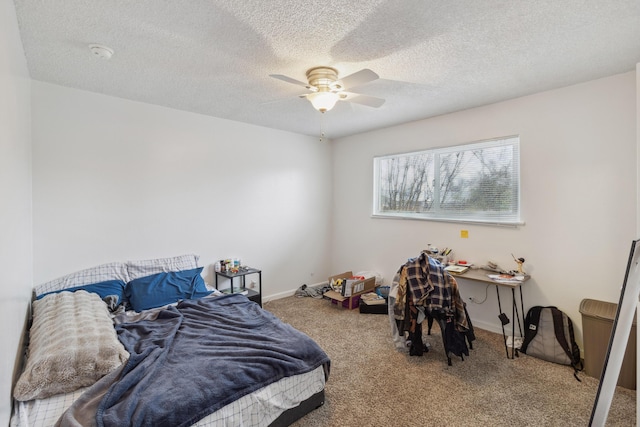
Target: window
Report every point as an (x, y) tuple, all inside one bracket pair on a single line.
[(478, 182)]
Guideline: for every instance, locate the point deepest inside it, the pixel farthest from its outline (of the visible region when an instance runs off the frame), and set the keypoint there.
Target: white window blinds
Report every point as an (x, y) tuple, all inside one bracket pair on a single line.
[(477, 182)]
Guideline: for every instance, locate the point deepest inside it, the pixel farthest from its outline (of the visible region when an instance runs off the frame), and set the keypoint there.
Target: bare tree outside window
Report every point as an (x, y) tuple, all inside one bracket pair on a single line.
[(405, 182), (474, 182)]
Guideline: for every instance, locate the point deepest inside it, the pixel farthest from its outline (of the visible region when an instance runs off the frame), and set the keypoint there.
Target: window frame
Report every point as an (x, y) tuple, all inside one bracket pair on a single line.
[(499, 218)]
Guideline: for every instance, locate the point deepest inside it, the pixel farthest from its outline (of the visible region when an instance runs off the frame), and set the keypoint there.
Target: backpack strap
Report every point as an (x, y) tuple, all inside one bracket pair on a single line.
[(531, 326), (558, 327), (577, 362)]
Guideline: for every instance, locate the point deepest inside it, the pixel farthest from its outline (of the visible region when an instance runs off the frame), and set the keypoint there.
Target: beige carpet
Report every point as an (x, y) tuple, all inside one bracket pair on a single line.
[(372, 384)]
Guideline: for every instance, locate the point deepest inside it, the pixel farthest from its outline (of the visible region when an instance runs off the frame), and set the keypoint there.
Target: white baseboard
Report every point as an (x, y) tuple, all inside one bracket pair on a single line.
[(492, 327)]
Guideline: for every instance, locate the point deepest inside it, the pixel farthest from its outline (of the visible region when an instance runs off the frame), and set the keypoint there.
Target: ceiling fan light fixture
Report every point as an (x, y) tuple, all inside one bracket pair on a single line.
[(323, 101), (326, 89)]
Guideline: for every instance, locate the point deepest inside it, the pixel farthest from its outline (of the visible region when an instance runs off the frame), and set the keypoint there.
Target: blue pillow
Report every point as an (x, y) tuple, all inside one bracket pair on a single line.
[(161, 289), (108, 287)]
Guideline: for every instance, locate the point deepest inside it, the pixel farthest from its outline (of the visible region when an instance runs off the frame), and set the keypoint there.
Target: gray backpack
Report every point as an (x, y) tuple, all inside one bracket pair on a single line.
[(549, 336)]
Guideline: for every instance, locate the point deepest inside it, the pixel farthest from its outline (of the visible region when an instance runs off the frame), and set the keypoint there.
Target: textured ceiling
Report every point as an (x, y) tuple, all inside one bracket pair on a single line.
[(433, 57)]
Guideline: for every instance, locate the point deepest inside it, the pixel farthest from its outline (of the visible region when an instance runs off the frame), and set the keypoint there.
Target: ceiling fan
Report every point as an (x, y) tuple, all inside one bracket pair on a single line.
[(326, 88)]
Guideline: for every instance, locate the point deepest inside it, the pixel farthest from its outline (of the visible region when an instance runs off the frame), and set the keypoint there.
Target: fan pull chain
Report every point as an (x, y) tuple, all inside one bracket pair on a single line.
[(321, 127)]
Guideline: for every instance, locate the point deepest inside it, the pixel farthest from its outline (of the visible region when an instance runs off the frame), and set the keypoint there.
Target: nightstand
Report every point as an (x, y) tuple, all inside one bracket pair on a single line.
[(254, 295)]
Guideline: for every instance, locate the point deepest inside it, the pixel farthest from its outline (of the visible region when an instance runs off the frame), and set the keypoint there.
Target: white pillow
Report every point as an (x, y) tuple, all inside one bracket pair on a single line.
[(100, 273), (137, 269), (72, 344)]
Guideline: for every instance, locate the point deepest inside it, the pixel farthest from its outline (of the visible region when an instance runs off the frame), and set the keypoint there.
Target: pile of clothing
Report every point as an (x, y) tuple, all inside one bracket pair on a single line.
[(310, 291), (422, 289)]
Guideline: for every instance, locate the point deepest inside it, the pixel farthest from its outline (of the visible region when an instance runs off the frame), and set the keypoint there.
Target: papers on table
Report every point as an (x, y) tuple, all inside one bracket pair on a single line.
[(456, 269)]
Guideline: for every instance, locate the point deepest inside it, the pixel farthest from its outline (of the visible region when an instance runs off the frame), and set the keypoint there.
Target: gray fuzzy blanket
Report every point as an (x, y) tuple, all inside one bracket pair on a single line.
[(192, 360)]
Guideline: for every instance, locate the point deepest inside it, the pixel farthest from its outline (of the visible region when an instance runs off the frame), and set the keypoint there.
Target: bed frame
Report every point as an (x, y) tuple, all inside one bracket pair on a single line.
[(292, 415)]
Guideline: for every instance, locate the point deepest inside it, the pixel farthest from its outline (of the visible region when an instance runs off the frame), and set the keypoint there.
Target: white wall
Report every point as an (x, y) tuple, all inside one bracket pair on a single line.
[(578, 187), (15, 199), (116, 180)]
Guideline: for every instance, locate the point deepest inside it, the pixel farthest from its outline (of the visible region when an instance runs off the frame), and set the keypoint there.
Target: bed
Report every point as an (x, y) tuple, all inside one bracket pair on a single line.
[(146, 343)]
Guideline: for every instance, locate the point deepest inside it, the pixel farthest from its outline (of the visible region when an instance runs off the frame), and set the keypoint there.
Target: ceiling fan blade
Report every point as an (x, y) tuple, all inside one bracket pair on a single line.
[(289, 80), (369, 101), (359, 78)]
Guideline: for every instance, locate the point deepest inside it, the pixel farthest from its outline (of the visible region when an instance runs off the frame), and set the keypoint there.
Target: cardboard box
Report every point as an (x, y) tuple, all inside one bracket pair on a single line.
[(346, 302), (352, 291)]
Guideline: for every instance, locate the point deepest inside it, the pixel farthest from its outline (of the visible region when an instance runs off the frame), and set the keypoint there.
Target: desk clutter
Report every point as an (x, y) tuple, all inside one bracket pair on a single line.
[(459, 267)]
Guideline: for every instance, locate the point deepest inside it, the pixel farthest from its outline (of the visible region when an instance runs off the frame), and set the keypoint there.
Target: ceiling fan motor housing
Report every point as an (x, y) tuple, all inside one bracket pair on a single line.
[(323, 78)]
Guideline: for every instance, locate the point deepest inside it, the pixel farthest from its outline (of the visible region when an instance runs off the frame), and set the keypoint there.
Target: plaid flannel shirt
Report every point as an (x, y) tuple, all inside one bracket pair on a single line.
[(430, 286)]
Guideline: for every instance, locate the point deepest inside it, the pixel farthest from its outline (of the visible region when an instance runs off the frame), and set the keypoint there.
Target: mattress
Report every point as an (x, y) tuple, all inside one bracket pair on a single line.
[(257, 409)]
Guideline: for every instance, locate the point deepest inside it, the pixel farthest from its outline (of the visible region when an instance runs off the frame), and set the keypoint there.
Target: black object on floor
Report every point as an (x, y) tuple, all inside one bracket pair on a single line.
[(374, 308)]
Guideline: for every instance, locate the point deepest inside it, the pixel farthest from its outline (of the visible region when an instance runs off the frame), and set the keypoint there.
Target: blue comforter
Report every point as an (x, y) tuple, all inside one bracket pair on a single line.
[(199, 356)]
